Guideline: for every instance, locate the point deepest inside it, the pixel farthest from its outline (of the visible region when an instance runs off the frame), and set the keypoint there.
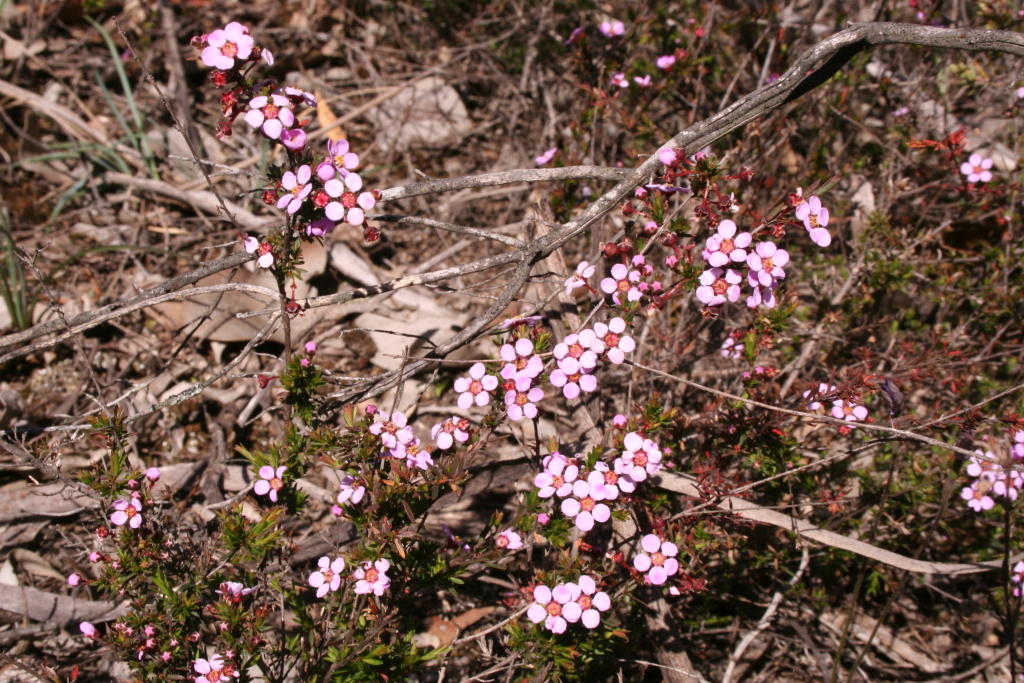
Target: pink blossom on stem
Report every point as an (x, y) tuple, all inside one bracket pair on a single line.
[(619, 80), (823, 390), (610, 339), (726, 246), (586, 507), (588, 603), (574, 347), (392, 429), (815, 218), (74, 579), (153, 474), (977, 168), (213, 670), (977, 496), (297, 188), (851, 412), (294, 139), (579, 279), (328, 578), (521, 401), (557, 477), (622, 281), (613, 481), (547, 607), (341, 158), (546, 156), (351, 492), (129, 511), (270, 481), (718, 285), (644, 82), (520, 360), (372, 578), (666, 62), (87, 629), (446, 433), (731, 349), (619, 421), (225, 45), (571, 377), (657, 560), (270, 114), (611, 29), (476, 388), (640, 457), (508, 540)]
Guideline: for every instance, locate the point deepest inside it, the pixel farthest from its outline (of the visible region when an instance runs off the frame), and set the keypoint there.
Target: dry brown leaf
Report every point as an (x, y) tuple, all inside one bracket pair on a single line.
[(445, 630), (36, 564), (326, 117), (39, 605)]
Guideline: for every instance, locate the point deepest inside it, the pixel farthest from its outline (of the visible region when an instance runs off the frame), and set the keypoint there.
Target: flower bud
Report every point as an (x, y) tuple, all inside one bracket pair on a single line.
[(669, 240), (133, 485), (218, 78), (609, 249), (262, 380), (668, 157), (88, 630), (641, 193), (650, 227), (370, 233), (746, 174), (336, 511), (639, 260), (304, 362), (320, 199), (371, 409), (543, 518), (619, 421), (74, 580), (223, 130), (793, 200), (153, 474), (270, 197), (647, 270), (671, 261), (311, 347)]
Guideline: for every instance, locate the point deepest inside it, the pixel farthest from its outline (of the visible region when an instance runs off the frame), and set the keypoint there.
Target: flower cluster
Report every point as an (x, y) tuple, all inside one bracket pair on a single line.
[(991, 479), (584, 493), (569, 603)]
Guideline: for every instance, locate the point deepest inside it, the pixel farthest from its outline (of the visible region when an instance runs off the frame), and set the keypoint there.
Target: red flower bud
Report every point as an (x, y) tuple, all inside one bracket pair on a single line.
[(746, 174), (262, 380), (610, 249), (793, 200), (270, 197), (320, 199), (348, 200), (219, 78), (370, 233), (223, 130)]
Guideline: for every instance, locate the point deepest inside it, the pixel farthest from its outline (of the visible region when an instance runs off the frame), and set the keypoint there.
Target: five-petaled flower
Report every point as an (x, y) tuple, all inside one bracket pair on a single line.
[(726, 246), (270, 114), (252, 246), (731, 348), (766, 263), (129, 511), (622, 281), (666, 62), (815, 218), (342, 159), (213, 670), (640, 457), (508, 540), (557, 477), (849, 411), (718, 285), (977, 168), (227, 44), (297, 188), (589, 602), (658, 559), (619, 80), (579, 279), (351, 491), (548, 607), (610, 339), (270, 481), (372, 578), (328, 578), (611, 29), (520, 360), (521, 401), (446, 433), (586, 508), (546, 156), (392, 429), (475, 388)]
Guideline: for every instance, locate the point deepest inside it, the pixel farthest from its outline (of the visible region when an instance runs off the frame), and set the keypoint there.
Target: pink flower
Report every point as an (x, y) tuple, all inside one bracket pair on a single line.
[(611, 29), (546, 156), (586, 508), (252, 245), (342, 159), (74, 579), (329, 577), (233, 591), (844, 410), (297, 188), (350, 492), (270, 114), (977, 496), (767, 262), (619, 421), (613, 481), (371, 578), (346, 207), (761, 295), (731, 349), (87, 629), (270, 481), (610, 339), (319, 227), (521, 401), (1020, 92), (726, 246), (213, 670), (666, 62), (619, 80), (475, 389), (548, 605), (1018, 570), (225, 45), (416, 456), (815, 218), (95, 557), (448, 432), (557, 477), (392, 429), (543, 518), (583, 271), (574, 347), (658, 560), (128, 511), (823, 390), (622, 281), (718, 285), (520, 360), (640, 457), (528, 320), (976, 169), (588, 603), (311, 347), (153, 474), (644, 82), (294, 139), (508, 540)]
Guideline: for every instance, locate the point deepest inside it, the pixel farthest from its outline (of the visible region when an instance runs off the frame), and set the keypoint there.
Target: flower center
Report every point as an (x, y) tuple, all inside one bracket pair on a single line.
[(131, 511), (576, 351), (623, 285), (276, 484), (475, 387), (978, 169), (611, 340), (390, 427), (587, 504), (720, 287), (372, 575), (521, 362), (522, 399), (658, 559), (766, 264), (271, 110), (640, 459), (611, 478), (320, 199), (558, 481), (727, 246), (553, 608), (584, 602), (813, 218), (574, 379), (847, 409), (339, 161), (348, 200), (213, 676), (448, 428), (501, 542), (328, 575), (297, 190), (229, 50)]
